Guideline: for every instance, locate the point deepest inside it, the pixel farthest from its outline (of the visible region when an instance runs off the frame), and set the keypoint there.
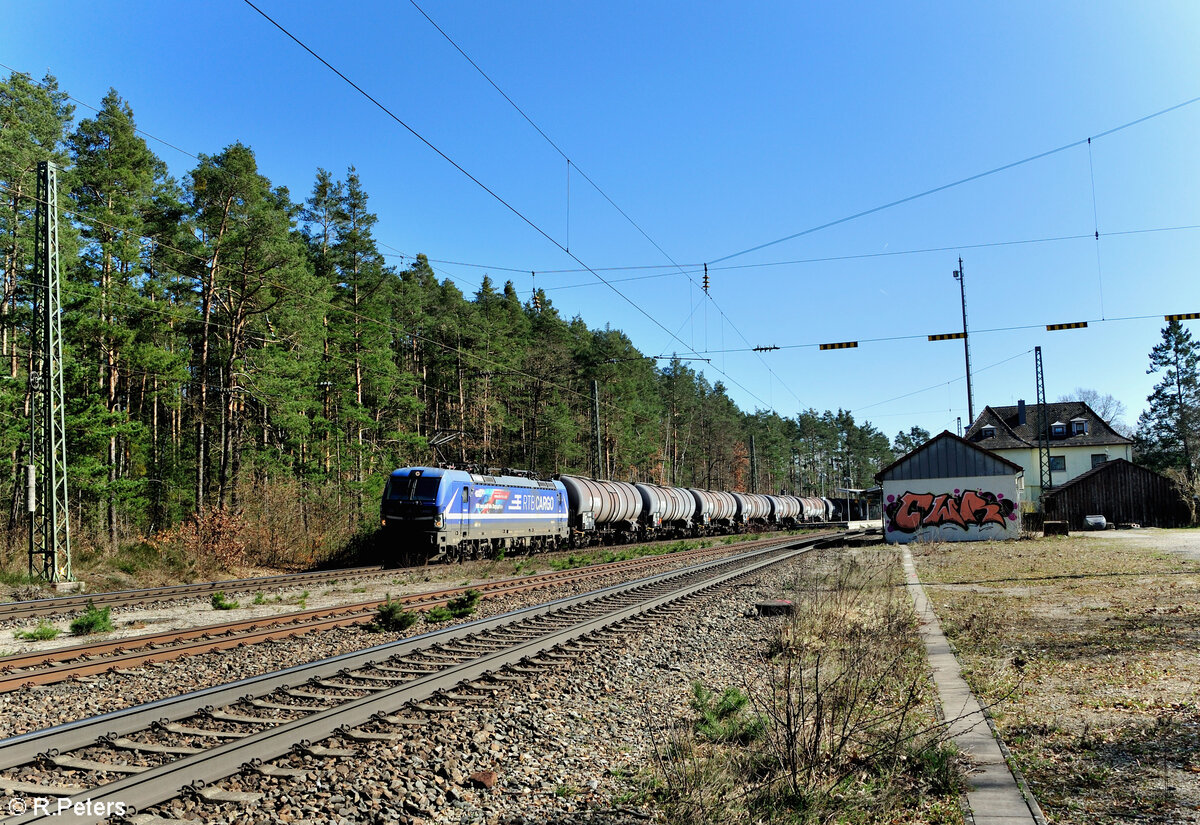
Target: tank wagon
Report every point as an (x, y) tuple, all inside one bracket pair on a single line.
[(451, 514)]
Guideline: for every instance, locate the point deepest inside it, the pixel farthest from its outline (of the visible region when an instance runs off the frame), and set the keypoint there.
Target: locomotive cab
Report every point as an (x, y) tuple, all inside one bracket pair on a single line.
[(411, 504)]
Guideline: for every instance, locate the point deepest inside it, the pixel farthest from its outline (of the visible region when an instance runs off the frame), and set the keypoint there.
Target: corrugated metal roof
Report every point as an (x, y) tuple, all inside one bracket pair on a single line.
[(947, 456)]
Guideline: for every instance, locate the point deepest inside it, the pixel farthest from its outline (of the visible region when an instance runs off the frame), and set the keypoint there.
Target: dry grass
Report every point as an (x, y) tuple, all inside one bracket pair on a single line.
[(1101, 636), (837, 722)]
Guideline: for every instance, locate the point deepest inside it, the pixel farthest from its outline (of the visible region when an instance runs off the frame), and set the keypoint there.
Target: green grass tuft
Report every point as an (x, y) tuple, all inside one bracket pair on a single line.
[(219, 602), (43, 632), (92, 620), (720, 718)]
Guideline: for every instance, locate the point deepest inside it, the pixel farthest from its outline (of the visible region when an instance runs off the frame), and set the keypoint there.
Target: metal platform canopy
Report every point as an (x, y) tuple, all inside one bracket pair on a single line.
[(46, 497), (949, 489), (862, 503)]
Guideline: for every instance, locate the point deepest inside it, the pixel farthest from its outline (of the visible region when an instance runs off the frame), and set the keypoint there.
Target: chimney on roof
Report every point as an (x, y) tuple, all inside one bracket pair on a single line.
[(1021, 413)]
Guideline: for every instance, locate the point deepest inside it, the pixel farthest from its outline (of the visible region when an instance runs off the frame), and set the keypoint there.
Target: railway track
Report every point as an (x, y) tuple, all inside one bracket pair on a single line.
[(56, 665), (60, 605), (127, 761)]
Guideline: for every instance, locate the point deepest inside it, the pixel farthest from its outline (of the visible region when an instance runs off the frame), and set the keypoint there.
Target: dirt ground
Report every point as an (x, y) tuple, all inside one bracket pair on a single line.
[(1088, 648)]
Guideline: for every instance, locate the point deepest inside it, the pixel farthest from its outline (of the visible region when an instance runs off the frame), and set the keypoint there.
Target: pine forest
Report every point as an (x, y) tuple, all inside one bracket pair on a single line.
[(234, 352)]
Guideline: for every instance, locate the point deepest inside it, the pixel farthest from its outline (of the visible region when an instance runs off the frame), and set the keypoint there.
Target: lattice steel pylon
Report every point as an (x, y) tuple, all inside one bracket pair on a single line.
[(1043, 426), (49, 520)]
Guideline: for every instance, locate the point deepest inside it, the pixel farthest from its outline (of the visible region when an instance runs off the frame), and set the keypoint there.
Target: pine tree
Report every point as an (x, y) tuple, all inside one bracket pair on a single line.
[(34, 118), (1168, 430), (113, 183)]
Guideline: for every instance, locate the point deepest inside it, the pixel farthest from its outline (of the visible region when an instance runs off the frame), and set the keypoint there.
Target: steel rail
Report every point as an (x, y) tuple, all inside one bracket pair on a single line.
[(122, 598), (49, 666), (26, 747), (164, 782)]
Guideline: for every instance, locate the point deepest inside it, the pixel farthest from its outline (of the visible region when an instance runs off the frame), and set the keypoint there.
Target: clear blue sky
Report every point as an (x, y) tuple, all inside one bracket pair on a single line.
[(718, 127)]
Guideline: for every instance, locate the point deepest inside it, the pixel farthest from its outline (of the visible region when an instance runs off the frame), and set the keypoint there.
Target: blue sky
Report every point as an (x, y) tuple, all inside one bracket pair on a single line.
[(718, 127)]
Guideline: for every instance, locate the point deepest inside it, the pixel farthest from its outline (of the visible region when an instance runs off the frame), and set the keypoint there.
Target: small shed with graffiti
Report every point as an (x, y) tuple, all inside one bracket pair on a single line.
[(949, 489)]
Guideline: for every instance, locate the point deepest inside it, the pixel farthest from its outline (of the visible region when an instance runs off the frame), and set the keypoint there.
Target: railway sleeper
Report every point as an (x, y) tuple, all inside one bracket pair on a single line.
[(411, 671), (269, 705), (483, 686), (226, 716), (174, 727), (276, 771), (151, 747), (332, 685), (464, 698), (74, 763), (372, 736), (14, 787), (322, 752), (392, 719), (303, 694), (381, 677), (222, 795)]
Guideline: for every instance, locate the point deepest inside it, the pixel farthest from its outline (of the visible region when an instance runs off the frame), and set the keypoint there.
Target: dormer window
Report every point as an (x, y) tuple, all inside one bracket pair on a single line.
[(1058, 430), (1078, 426), (987, 432)]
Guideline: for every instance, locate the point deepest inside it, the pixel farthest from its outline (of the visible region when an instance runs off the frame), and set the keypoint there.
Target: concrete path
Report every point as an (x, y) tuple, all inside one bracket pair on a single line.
[(995, 797)]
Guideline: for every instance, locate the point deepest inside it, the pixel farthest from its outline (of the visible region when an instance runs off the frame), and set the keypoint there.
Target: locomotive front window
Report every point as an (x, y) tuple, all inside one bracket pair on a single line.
[(427, 487), (422, 487)]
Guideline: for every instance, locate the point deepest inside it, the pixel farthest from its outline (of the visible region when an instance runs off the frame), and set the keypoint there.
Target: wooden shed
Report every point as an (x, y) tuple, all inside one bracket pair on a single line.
[(1123, 493)]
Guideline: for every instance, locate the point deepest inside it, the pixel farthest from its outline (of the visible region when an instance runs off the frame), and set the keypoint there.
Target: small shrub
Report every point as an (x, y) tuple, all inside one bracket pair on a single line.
[(43, 632), (259, 598), (438, 614), (392, 617), (219, 602), (464, 605), (92, 620)]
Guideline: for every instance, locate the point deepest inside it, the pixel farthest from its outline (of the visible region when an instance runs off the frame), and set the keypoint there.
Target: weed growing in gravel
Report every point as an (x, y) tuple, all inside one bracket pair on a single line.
[(720, 718), (219, 602), (43, 632), (92, 620), (302, 600), (393, 618), (437, 614), (458, 608), (465, 604), (259, 598)]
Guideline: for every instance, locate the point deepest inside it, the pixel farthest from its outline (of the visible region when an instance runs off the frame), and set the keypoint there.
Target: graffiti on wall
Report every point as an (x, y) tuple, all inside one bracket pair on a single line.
[(910, 512)]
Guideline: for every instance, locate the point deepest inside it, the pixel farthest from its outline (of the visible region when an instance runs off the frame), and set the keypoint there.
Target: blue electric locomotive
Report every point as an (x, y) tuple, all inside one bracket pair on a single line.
[(451, 515)]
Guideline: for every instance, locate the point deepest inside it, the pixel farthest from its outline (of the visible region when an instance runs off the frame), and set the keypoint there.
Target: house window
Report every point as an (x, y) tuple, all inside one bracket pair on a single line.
[(1078, 428), (1058, 463), (987, 432), (1058, 430), (1098, 459)]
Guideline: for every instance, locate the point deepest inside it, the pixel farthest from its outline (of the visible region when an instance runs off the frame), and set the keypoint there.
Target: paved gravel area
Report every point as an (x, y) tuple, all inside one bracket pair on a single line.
[(558, 747), (1184, 542)]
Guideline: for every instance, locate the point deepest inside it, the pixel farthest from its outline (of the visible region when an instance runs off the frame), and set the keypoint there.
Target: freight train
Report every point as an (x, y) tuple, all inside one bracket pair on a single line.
[(446, 514)]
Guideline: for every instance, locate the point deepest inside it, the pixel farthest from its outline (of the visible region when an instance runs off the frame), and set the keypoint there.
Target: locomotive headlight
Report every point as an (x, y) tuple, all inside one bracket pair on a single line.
[(439, 521)]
